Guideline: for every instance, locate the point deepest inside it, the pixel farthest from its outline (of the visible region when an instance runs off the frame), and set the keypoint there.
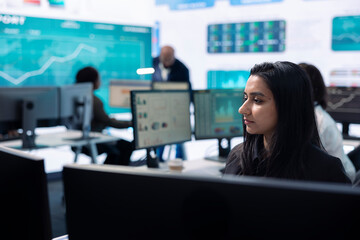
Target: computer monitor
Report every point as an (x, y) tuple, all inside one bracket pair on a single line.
[(160, 118), (104, 202), (76, 107), (217, 117), (119, 95), (24, 196), (343, 106), (26, 108), (157, 85)]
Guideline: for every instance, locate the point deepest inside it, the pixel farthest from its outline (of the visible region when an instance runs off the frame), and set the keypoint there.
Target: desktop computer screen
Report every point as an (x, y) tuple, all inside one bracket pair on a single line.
[(157, 85), (217, 117), (76, 106), (26, 108), (343, 105), (24, 196), (104, 202), (119, 93), (160, 117)]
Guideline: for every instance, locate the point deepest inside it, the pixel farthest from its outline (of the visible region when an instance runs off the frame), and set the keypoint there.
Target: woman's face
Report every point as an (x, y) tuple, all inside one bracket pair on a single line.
[(258, 109)]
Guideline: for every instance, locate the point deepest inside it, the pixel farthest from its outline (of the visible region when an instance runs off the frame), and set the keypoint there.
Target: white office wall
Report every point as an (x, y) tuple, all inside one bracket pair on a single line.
[(308, 35), (137, 12)]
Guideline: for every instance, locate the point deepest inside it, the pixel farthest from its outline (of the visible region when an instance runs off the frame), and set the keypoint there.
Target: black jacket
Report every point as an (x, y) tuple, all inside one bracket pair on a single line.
[(319, 166), (179, 72)]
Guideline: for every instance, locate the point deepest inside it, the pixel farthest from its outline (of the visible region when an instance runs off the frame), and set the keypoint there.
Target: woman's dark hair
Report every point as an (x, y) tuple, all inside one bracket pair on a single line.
[(296, 126), (318, 85), (87, 74)]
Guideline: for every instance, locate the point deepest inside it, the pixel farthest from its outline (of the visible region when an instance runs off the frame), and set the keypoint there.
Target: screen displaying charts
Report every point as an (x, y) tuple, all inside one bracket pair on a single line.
[(227, 79), (40, 51), (343, 104), (216, 113), (160, 117), (243, 37), (346, 33)]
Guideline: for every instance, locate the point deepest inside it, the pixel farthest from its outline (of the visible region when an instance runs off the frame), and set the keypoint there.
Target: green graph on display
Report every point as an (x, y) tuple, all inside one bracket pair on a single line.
[(220, 79), (226, 117), (40, 51), (346, 33)]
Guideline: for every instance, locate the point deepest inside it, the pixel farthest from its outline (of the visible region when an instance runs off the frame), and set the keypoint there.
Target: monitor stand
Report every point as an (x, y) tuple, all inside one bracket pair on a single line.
[(152, 160), (28, 125), (29, 122), (224, 150), (84, 109)]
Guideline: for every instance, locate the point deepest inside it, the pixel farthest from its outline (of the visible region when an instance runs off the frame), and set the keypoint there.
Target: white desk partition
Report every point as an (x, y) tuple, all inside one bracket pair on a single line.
[(68, 138)]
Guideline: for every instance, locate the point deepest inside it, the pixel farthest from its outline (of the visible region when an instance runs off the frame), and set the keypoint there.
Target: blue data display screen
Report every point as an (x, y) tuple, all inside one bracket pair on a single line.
[(345, 33), (40, 51), (250, 2), (186, 4), (216, 113), (247, 37), (227, 79)]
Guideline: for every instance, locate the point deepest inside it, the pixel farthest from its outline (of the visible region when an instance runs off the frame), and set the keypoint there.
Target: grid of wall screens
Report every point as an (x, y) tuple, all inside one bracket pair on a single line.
[(266, 36), (216, 113), (160, 117)]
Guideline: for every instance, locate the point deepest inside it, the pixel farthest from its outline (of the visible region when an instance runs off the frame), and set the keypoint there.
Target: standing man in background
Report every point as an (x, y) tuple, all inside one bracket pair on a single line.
[(168, 68)]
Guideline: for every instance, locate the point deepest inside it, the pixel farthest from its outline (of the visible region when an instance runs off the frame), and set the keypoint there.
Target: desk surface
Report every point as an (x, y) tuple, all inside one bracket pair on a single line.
[(192, 167), (65, 138), (351, 142)]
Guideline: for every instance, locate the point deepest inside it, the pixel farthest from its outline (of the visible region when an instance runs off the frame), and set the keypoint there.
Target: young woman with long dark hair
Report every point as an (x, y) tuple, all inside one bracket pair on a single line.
[(280, 134)]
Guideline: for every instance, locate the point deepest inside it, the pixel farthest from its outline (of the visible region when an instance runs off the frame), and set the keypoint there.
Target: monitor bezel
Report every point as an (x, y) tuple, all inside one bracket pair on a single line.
[(27, 108), (25, 175), (343, 117), (127, 83), (285, 199), (219, 137), (153, 84), (134, 121), (76, 106)]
